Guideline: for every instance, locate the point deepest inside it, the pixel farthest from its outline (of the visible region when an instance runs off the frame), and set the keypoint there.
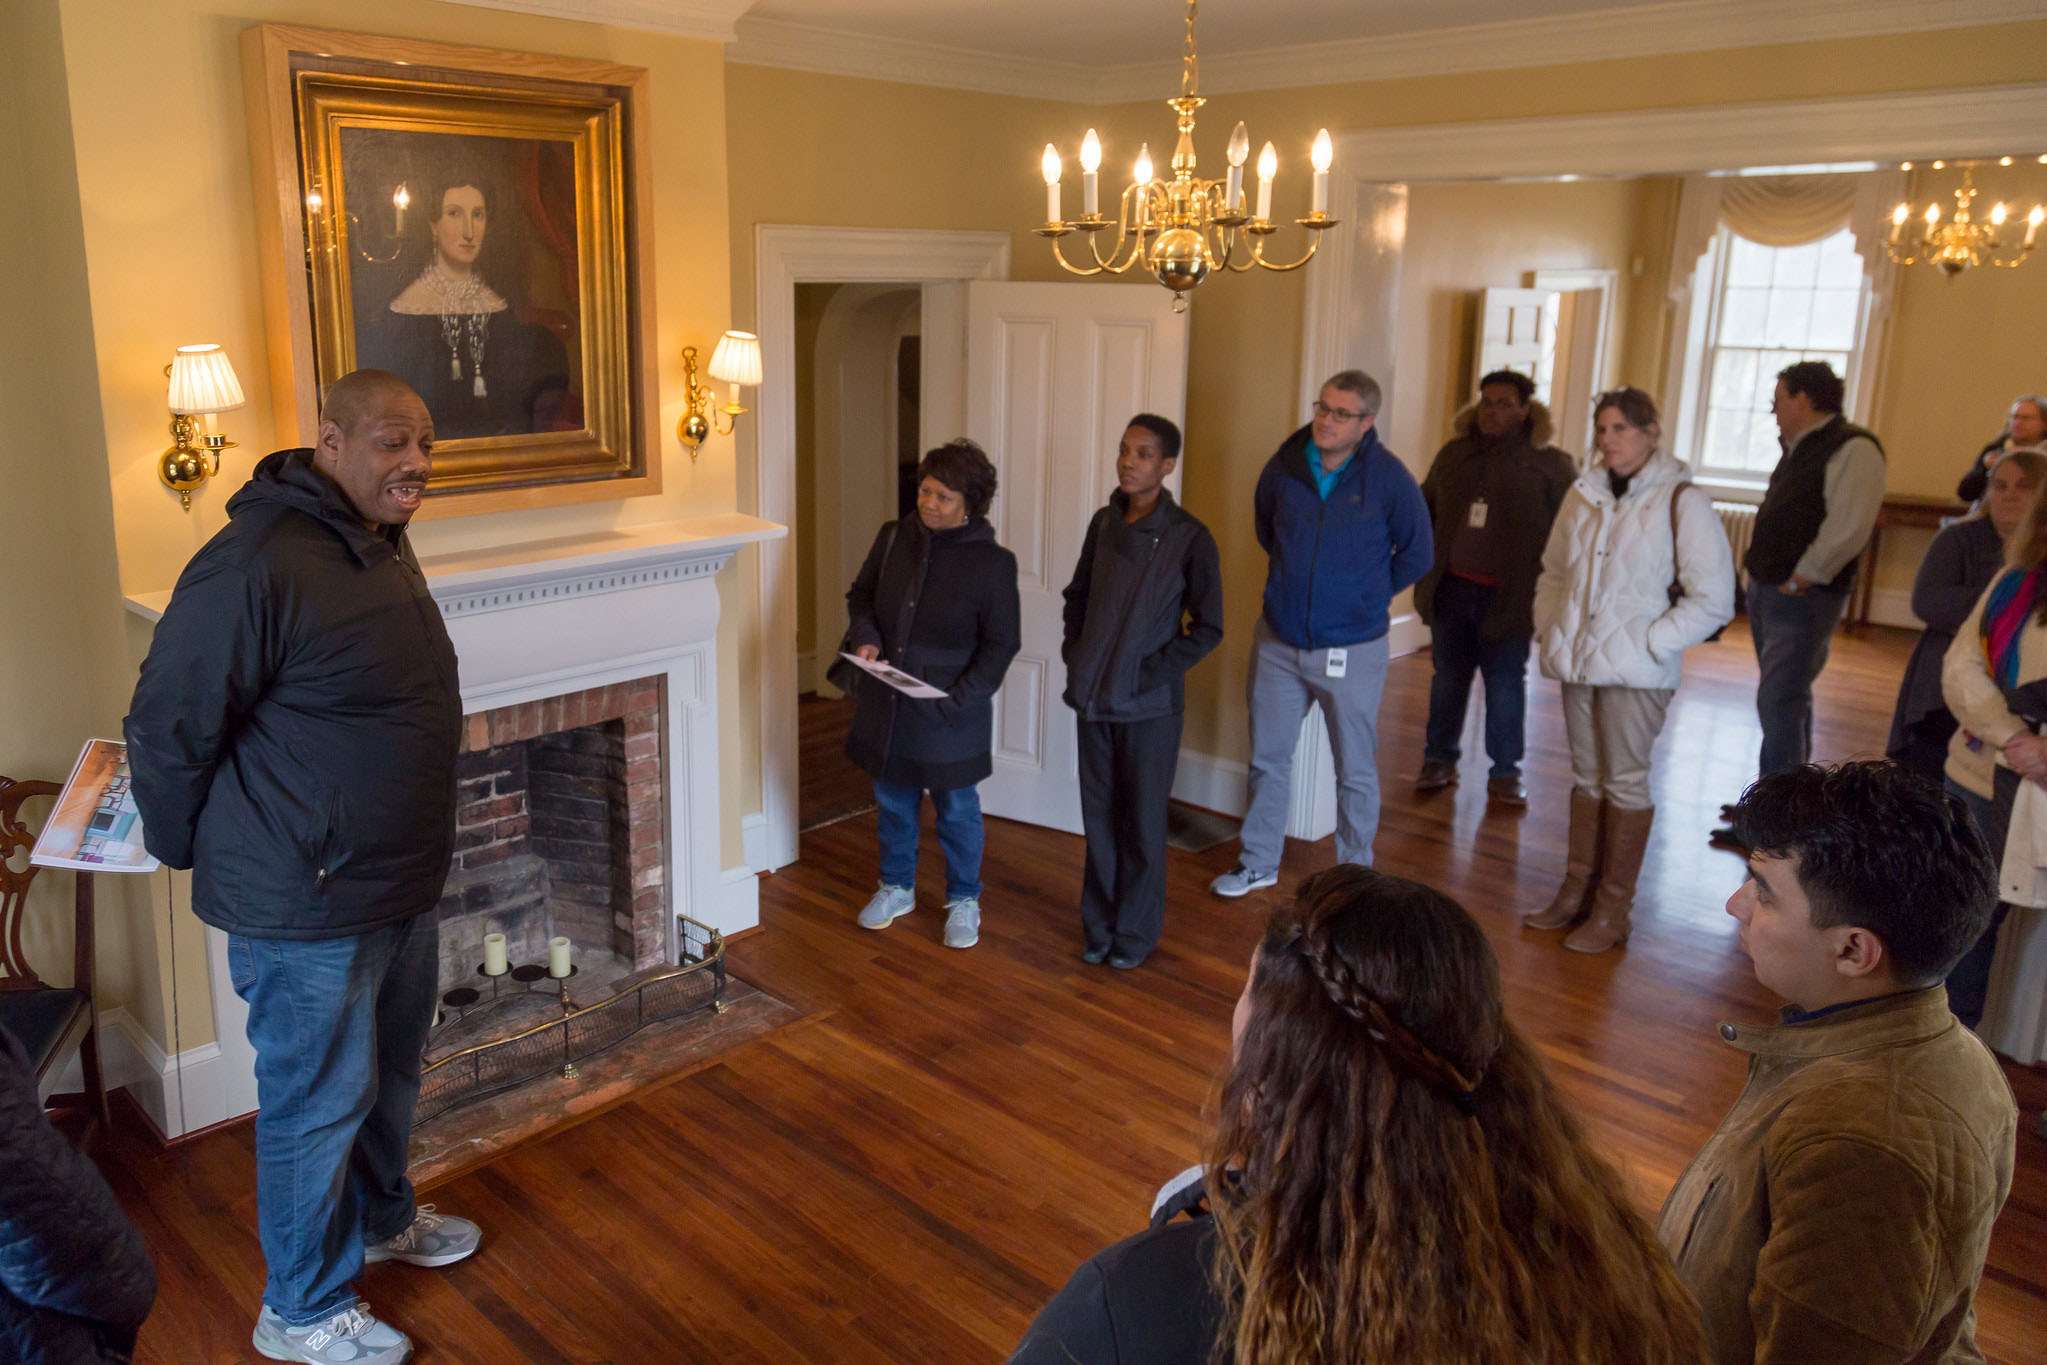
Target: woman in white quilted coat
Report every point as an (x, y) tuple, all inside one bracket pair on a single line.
[(1637, 570)]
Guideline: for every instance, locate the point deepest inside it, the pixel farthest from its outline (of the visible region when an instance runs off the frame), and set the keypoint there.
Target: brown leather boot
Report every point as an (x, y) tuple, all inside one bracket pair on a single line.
[(1627, 837), (1581, 868)]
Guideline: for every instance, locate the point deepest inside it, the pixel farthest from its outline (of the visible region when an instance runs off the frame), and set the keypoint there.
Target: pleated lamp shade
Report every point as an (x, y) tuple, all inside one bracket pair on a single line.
[(737, 359), (203, 381)]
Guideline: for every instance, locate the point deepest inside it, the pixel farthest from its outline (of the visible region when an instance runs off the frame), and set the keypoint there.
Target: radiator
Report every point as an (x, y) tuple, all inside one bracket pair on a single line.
[(1740, 520)]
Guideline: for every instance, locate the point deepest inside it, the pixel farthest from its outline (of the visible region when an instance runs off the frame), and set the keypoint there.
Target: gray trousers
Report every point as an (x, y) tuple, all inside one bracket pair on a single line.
[(1284, 681), (1612, 730)]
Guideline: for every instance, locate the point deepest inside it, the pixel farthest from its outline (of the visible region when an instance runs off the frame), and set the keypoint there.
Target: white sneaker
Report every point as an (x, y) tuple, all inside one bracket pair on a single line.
[(963, 922), (887, 904), (351, 1337), (1240, 881)]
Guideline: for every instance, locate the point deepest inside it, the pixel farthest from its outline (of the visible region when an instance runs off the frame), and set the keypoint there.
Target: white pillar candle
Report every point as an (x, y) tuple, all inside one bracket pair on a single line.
[(557, 957), (493, 954)]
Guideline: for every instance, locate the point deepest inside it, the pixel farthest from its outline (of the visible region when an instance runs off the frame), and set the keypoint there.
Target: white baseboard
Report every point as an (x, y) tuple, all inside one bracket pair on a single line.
[(130, 1057), (739, 901), (1406, 635), (1222, 785), (753, 840), (807, 672), (1893, 607)]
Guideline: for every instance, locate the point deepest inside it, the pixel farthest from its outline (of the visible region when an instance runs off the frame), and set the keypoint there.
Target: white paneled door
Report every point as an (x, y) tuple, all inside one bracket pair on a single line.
[(1054, 374)]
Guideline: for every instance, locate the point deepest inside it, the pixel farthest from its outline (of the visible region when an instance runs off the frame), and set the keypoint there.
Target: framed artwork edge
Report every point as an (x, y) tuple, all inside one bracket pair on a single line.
[(268, 51)]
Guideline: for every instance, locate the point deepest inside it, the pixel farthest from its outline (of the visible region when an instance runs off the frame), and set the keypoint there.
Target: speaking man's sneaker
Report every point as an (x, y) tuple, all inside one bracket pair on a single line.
[(351, 1337), (433, 1239), (1241, 881)]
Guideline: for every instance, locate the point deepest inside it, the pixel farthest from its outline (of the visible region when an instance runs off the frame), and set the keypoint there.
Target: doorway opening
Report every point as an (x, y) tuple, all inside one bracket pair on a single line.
[(858, 440)]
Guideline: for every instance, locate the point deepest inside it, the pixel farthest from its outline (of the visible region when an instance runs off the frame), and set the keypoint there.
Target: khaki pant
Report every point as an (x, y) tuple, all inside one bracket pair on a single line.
[(1612, 731)]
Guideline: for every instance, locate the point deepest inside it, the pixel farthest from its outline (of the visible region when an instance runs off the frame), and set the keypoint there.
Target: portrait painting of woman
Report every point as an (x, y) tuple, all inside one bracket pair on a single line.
[(463, 276)]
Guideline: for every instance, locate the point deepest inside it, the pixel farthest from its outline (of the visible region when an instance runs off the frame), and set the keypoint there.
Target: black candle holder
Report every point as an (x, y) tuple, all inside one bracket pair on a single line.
[(467, 1000)]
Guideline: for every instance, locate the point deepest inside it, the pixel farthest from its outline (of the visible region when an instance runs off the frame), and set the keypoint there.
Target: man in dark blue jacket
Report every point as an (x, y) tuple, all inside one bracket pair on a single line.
[(1344, 527), (293, 740)]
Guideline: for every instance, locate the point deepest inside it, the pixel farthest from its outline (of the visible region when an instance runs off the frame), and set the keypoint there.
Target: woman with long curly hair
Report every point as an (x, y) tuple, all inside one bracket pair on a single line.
[(1392, 1178)]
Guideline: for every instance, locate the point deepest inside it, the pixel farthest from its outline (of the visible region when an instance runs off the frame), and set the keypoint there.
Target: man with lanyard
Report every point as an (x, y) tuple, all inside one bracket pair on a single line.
[(1344, 528)]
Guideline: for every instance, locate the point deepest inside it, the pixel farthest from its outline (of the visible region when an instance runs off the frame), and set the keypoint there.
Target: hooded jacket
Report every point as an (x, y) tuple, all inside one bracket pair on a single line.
[(1135, 583), (1842, 1210), (941, 606), (1537, 477), (293, 734), (1602, 609), (75, 1279), (1334, 565)]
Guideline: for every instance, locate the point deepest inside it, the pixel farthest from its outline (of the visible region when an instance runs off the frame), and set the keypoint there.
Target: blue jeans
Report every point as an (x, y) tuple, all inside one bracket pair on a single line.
[(339, 1026), (1284, 682), (1458, 650), (1792, 636), (959, 834)]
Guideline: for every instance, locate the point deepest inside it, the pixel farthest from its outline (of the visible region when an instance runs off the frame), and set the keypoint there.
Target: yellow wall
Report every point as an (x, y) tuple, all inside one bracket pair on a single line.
[(166, 253), (63, 605)]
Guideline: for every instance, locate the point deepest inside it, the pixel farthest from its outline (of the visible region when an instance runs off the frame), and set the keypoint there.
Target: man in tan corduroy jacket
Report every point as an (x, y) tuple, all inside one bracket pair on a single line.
[(1841, 1211)]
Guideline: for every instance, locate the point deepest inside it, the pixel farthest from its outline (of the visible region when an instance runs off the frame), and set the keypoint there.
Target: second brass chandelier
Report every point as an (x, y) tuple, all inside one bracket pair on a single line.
[(1183, 228)]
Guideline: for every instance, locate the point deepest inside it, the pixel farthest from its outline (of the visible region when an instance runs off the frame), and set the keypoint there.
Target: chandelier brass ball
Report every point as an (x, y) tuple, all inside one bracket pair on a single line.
[(1177, 259)]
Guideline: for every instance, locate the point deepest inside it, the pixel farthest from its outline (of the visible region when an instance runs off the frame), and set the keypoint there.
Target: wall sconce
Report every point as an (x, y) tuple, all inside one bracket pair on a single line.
[(736, 361), (202, 384)]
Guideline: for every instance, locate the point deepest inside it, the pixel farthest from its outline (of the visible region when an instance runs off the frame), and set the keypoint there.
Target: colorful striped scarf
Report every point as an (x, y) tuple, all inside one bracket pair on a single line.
[(2005, 610)]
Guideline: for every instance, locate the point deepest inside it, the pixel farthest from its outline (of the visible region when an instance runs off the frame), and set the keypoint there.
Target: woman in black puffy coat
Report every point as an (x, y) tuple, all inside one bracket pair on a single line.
[(75, 1279), (936, 599)]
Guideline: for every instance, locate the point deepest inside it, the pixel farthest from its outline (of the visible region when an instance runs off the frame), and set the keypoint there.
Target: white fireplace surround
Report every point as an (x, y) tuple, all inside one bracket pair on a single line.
[(530, 621)]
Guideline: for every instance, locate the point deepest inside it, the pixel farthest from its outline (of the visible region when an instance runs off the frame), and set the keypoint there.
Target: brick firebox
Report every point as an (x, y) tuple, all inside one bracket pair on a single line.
[(561, 829)]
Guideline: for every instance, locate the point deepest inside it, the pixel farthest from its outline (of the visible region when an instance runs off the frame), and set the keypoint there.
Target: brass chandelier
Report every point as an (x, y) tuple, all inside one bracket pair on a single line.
[(1181, 229), (1962, 241)]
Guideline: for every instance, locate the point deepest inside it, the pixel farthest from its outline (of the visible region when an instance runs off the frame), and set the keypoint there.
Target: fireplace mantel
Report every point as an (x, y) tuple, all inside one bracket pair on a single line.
[(541, 619)]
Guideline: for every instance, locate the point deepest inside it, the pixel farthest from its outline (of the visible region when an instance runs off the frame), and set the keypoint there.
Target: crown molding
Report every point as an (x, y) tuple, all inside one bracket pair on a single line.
[(802, 47), (1981, 121), (711, 19), (1673, 26)]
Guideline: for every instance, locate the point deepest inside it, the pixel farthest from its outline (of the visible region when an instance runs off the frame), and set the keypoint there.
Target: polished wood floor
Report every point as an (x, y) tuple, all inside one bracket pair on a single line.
[(908, 1172)]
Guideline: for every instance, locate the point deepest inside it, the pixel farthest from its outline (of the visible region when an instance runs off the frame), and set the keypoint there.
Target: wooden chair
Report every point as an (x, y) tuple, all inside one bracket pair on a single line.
[(51, 1021)]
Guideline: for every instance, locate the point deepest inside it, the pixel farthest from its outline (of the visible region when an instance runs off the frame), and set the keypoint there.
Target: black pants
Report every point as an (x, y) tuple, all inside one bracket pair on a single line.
[(1126, 776)]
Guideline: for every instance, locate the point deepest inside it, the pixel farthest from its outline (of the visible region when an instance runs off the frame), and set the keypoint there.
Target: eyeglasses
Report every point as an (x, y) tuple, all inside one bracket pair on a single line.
[(1322, 409)]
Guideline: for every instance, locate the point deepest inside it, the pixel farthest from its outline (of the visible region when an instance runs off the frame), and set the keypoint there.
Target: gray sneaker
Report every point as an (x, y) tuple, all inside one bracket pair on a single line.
[(351, 1337), (888, 903), (1241, 880), (963, 922), (433, 1239)]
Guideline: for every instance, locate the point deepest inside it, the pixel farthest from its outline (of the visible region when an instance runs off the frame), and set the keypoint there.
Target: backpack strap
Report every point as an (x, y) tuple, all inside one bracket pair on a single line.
[(1677, 587)]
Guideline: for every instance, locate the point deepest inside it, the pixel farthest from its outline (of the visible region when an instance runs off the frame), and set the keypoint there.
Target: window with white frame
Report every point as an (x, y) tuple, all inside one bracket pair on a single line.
[(1768, 306)]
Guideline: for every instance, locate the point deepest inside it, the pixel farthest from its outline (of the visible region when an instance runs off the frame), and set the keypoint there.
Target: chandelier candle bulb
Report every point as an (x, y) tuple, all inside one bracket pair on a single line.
[(401, 199), (1239, 152), (494, 955), (1051, 164), (2033, 224), (1268, 166), (1090, 178), (1323, 154), (557, 957)]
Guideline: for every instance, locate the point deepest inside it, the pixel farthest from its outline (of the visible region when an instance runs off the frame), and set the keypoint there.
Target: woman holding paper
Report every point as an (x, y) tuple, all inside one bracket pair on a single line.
[(936, 599)]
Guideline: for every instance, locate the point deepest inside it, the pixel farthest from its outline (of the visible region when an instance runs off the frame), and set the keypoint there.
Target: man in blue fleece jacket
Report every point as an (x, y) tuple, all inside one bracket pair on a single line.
[(1344, 527)]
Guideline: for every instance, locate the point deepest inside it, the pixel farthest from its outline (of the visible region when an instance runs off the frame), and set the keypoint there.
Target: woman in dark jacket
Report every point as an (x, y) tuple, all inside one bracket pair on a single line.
[(75, 1279), (937, 600), (1958, 566)]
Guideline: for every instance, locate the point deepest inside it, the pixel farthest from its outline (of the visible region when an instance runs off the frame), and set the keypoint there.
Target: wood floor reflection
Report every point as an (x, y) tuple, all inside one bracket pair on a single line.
[(907, 1174)]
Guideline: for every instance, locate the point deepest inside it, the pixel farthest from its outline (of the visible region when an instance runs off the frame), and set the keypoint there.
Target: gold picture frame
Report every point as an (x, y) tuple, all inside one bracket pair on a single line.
[(472, 221)]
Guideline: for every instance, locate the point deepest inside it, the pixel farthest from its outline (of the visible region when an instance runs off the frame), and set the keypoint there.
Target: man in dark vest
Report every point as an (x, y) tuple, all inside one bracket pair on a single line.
[(1810, 532)]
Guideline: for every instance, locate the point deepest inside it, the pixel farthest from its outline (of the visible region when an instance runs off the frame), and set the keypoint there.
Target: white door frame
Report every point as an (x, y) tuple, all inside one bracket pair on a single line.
[(784, 257)]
